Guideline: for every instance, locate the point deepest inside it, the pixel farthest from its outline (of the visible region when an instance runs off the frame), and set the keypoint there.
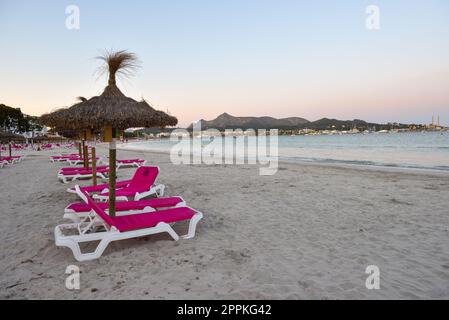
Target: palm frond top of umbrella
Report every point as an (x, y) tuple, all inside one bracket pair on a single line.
[(112, 107)]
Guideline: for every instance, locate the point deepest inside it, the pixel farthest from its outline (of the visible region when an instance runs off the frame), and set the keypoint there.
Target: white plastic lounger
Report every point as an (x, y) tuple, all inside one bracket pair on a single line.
[(63, 158), (67, 177), (131, 163), (98, 226), (75, 162)]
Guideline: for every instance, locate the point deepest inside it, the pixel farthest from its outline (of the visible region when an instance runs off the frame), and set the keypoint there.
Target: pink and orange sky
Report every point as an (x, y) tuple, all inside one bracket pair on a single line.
[(310, 59)]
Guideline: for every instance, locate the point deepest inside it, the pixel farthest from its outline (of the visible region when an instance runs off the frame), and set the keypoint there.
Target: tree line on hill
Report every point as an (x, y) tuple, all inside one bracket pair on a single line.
[(226, 121), (13, 120)]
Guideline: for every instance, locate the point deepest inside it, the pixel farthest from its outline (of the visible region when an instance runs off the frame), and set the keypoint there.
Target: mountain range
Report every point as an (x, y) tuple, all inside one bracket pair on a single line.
[(227, 121)]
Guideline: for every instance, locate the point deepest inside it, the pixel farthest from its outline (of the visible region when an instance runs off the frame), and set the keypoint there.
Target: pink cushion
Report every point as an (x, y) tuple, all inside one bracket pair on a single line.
[(141, 220), (148, 220), (81, 168), (131, 161), (144, 178), (82, 172), (124, 192), (101, 187), (65, 157), (129, 205), (142, 181)]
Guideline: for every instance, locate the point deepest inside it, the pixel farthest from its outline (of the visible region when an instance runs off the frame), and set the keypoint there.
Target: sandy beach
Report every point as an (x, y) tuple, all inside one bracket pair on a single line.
[(307, 232)]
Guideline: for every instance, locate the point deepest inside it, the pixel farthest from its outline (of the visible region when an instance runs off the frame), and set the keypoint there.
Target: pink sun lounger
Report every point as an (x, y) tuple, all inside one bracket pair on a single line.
[(77, 161), (101, 187), (66, 177), (141, 186), (11, 160), (64, 158), (74, 169), (7, 160), (131, 163), (78, 210), (99, 226)]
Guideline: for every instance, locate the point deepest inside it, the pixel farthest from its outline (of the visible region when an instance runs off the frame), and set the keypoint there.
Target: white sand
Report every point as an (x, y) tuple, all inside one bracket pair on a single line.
[(307, 232)]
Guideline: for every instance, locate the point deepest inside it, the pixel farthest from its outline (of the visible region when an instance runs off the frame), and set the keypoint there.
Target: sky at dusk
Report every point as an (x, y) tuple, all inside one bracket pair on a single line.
[(201, 58)]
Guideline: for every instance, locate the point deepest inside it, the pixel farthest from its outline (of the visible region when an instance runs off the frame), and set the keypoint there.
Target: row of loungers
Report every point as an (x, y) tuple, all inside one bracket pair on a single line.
[(5, 161), (75, 159), (135, 217)]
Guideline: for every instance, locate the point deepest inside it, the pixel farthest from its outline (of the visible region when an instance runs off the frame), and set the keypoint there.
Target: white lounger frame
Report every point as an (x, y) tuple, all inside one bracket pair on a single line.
[(12, 161), (9, 163), (66, 178), (157, 189), (17, 160), (131, 164), (87, 232), (53, 160)]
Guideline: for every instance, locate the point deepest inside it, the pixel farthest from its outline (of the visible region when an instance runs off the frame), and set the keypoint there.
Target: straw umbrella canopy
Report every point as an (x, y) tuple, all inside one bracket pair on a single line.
[(9, 136), (111, 110), (55, 118), (48, 138)]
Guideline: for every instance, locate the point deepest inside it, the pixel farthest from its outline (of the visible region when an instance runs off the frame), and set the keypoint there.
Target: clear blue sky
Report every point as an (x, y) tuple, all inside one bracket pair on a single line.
[(248, 57)]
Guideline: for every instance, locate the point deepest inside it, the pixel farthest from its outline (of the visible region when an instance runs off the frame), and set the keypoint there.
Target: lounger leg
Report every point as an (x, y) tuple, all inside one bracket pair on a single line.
[(159, 189), (192, 225), (76, 250), (167, 228)]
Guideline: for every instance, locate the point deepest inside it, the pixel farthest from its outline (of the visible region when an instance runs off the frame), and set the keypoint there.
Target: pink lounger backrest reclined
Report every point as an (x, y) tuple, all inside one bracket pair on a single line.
[(143, 179)]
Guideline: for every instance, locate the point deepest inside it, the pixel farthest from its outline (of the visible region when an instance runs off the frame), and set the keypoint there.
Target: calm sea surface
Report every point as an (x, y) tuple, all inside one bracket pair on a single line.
[(418, 150)]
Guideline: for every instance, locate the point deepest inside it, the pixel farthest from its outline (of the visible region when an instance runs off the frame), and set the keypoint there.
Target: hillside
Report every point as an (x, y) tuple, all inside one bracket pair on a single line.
[(227, 121), (12, 119)]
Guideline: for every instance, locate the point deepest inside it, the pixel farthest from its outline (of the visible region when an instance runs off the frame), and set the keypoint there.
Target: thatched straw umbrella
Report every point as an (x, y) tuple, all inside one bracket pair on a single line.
[(7, 137), (53, 120), (112, 111), (49, 138)]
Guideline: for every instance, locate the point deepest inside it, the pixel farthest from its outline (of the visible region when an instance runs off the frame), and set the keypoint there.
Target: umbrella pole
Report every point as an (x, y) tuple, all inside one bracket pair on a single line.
[(112, 173), (10, 149), (80, 152), (94, 166), (83, 154), (86, 156)]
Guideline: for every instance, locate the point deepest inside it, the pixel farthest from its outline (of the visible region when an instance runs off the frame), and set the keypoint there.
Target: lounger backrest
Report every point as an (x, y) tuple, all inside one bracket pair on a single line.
[(144, 178), (87, 199)]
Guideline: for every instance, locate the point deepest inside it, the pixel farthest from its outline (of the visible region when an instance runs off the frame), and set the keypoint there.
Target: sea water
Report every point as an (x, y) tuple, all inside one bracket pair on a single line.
[(417, 150)]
